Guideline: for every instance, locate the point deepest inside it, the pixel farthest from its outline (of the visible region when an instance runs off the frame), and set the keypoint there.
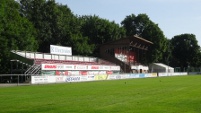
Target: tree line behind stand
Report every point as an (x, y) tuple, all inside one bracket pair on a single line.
[(33, 25)]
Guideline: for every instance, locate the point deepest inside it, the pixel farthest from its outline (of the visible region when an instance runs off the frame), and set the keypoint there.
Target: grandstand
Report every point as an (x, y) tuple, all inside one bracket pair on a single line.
[(121, 56), (125, 53), (34, 61), (120, 59), (128, 53)]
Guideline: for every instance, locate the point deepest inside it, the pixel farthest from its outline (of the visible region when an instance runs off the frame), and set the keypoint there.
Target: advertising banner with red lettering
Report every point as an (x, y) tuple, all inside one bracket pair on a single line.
[(56, 67), (79, 67), (61, 73)]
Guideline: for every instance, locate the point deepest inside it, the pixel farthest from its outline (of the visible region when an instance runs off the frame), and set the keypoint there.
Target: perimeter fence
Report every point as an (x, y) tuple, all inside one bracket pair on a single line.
[(15, 79)]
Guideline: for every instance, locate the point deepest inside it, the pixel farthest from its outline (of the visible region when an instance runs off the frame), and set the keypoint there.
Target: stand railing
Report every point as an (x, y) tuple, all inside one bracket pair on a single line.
[(34, 69)]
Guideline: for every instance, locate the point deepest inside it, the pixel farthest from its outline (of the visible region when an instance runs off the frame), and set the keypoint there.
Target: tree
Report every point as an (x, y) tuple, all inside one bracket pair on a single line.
[(186, 50), (100, 31), (142, 26), (71, 34), (55, 25), (156, 51), (198, 59), (16, 33), (44, 16)]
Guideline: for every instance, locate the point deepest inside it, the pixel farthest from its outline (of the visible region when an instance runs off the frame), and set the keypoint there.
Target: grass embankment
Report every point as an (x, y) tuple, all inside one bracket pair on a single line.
[(181, 94)]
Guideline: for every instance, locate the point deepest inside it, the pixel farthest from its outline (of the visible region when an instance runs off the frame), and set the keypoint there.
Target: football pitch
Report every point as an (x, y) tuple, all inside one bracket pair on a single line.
[(179, 94)]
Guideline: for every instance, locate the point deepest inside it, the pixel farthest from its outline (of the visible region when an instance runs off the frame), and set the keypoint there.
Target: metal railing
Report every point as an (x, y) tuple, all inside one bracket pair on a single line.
[(34, 69), (14, 79), (39, 55)]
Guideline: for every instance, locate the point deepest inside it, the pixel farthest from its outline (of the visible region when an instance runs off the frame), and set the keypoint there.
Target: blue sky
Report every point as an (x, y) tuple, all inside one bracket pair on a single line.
[(174, 17)]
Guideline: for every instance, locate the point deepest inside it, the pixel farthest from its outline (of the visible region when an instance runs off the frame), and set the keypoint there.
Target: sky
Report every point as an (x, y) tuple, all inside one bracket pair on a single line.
[(174, 17)]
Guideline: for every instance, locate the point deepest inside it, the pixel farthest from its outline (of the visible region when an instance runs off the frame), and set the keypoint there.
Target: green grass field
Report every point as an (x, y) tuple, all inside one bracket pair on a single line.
[(180, 94)]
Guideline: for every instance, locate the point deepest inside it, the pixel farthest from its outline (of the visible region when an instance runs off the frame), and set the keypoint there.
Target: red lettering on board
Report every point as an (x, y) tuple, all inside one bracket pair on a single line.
[(94, 67), (51, 66)]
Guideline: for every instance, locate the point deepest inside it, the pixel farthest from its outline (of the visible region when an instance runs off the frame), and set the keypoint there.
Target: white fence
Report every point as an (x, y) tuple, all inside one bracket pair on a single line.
[(81, 78), (172, 74)]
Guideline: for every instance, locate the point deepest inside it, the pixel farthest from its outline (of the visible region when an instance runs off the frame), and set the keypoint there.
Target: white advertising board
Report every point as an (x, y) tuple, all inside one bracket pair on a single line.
[(73, 79), (87, 78), (101, 67), (60, 79), (111, 77), (124, 76), (57, 67), (79, 67), (60, 50), (90, 77), (115, 68), (39, 79), (81, 78)]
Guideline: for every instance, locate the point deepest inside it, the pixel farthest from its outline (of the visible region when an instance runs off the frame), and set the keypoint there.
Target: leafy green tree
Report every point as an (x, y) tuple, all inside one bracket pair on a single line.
[(71, 35), (56, 25), (16, 33), (198, 59), (135, 25), (43, 15), (100, 31), (156, 51), (142, 26), (186, 50)]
